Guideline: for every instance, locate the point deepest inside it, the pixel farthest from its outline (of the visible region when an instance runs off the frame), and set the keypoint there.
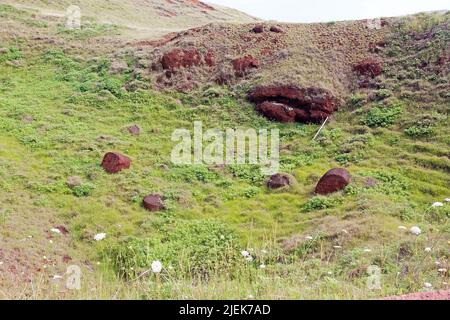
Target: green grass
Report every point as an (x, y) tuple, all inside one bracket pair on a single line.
[(59, 114)]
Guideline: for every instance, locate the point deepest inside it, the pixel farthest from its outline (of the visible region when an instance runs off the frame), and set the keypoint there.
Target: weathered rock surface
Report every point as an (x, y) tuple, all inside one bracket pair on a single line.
[(294, 104), (114, 162), (242, 65), (280, 180), (334, 180), (369, 67), (276, 29), (153, 202), (258, 29), (181, 58)]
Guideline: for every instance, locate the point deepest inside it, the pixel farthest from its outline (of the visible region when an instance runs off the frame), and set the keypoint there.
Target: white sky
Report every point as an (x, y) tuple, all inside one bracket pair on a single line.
[(331, 10)]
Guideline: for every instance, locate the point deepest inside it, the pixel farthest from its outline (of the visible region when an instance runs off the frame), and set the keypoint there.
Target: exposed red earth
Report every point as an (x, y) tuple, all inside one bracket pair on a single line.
[(436, 295)]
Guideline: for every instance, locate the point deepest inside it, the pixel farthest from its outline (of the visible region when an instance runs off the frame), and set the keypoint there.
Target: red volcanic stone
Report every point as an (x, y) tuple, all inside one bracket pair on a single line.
[(258, 29), (276, 29), (181, 58), (153, 202), (210, 59), (276, 111), (334, 180), (294, 104), (369, 67), (134, 130), (280, 180), (243, 64), (114, 162)]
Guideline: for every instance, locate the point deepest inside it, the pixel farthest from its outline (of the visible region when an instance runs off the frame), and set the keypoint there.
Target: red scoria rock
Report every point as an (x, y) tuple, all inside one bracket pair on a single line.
[(114, 162), (134, 130), (210, 59), (181, 58), (153, 202), (280, 180), (276, 29), (291, 103), (369, 67), (258, 29), (334, 180), (244, 64)]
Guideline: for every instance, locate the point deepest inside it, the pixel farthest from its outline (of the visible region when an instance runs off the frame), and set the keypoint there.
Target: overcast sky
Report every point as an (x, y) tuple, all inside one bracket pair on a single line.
[(331, 10)]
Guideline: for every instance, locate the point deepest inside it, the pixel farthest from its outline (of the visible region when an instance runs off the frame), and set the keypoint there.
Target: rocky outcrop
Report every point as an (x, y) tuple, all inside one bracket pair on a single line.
[(334, 180), (294, 104), (181, 58), (114, 162), (369, 67), (242, 65), (153, 202)]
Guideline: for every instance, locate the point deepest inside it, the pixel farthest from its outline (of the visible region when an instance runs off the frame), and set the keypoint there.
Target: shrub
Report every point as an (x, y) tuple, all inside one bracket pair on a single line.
[(83, 190), (320, 203), (193, 249), (383, 116), (11, 54)]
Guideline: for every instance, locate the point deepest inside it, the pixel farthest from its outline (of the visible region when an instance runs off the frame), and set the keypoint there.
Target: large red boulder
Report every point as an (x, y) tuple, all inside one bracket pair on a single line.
[(153, 202), (334, 180), (181, 58), (258, 29), (114, 162), (369, 67), (293, 104), (242, 65)]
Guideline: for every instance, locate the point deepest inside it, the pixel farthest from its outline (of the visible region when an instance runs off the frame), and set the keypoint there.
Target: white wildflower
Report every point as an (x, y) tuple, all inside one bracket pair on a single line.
[(337, 247), (427, 249), (367, 250), (249, 258), (442, 270), (99, 236), (245, 253), (309, 238), (428, 285), (263, 266), (402, 228), (156, 266), (415, 231), (447, 200)]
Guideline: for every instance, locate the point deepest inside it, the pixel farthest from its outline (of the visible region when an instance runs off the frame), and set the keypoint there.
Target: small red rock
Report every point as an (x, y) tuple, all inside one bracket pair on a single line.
[(258, 29), (276, 29), (334, 180), (153, 202), (134, 130), (280, 180), (114, 162)]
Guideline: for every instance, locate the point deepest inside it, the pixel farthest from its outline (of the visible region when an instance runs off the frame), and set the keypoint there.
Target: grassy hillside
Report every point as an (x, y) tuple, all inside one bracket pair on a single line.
[(61, 109), (143, 18)]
